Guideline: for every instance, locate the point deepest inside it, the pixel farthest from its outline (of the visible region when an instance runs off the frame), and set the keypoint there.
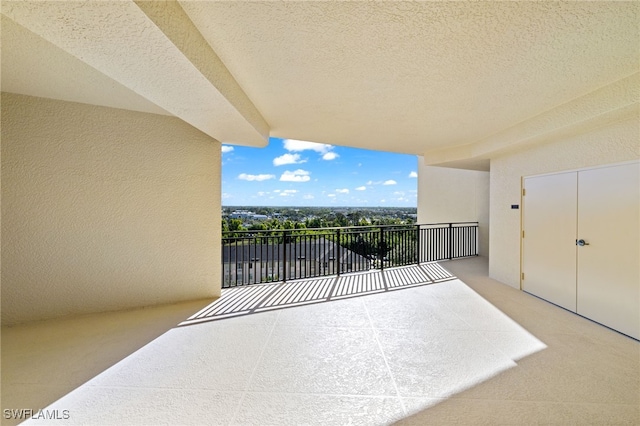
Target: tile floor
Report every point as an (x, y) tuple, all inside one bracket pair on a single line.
[(465, 351)]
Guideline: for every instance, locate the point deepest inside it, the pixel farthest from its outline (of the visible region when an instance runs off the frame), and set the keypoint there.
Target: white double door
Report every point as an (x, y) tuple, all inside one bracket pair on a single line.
[(600, 279)]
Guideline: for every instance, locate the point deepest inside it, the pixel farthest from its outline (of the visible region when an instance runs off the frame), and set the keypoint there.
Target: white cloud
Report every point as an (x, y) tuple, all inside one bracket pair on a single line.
[(262, 193), (308, 197), (226, 148), (295, 145), (342, 191), (331, 195), (361, 188), (401, 193), (390, 182), (413, 175), (370, 182), (244, 176), (330, 156), (295, 176), (290, 191), (324, 149), (288, 159)]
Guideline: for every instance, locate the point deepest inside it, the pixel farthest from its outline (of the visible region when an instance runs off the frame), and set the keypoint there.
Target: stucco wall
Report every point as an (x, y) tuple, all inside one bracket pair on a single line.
[(454, 195), (607, 145), (104, 209)]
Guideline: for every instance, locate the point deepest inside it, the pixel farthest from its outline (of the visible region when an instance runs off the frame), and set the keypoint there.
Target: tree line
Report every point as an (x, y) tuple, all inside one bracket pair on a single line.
[(317, 222), (395, 245)]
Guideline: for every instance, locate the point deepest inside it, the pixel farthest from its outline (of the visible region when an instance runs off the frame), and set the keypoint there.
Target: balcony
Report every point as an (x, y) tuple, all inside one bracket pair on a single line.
[(252, 257), (112, 114), (461, 349)]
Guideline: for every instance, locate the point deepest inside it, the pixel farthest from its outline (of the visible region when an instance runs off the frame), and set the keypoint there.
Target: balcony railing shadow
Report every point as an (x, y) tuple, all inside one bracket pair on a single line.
[(244, 300)]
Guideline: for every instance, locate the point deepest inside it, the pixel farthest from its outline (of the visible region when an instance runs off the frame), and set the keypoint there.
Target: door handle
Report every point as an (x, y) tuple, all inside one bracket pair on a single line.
[(581, 243)]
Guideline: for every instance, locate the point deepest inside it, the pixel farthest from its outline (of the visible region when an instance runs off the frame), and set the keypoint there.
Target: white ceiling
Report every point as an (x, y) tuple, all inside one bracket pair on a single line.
[(447, 80)]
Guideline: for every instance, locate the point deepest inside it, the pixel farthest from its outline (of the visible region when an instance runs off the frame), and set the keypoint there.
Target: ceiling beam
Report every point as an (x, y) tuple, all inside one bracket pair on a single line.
[(615, 102), (153, 49)]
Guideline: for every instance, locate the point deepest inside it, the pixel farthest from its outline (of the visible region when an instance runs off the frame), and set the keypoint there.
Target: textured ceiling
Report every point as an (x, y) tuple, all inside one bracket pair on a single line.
[(150, 50), (416, 76), (33, 66), (447, 80)]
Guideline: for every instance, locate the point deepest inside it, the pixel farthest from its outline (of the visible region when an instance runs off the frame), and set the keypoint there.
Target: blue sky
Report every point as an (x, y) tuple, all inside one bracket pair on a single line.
[(297, 173)]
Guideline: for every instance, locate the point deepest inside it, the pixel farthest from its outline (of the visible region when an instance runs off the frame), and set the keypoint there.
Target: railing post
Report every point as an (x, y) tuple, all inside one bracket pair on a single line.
[(477, 242), (236, 242), (338, 249), (381, 248), (418, 244), (284, 255), (450, 241)]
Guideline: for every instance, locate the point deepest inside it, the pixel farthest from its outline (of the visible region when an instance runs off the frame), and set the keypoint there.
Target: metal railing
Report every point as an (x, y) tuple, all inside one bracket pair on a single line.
[(253, 257)]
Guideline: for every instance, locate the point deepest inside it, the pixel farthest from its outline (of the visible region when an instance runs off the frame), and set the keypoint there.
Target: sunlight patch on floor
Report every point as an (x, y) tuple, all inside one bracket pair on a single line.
[(373, 359)]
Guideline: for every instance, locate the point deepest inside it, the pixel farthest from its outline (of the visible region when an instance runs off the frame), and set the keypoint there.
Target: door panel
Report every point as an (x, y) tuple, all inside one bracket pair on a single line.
[(608, 289), (549, 250)]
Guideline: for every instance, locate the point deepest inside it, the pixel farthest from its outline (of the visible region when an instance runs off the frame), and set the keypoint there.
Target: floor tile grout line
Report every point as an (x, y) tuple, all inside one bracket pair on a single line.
[(253, 373), (384, 357), (476, 330), (349, 395)]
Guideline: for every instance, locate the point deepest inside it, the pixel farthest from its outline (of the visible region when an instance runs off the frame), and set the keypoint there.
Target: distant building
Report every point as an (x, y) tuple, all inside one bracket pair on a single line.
[(253, 263), (247, 215)]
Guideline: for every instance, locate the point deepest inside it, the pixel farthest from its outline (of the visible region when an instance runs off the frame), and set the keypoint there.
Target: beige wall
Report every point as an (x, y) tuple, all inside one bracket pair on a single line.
[(454, 195), (611, 144), (104, 209)]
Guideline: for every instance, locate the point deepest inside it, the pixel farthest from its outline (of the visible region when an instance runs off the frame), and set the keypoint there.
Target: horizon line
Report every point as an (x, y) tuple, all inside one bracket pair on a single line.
[(351, 207)]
